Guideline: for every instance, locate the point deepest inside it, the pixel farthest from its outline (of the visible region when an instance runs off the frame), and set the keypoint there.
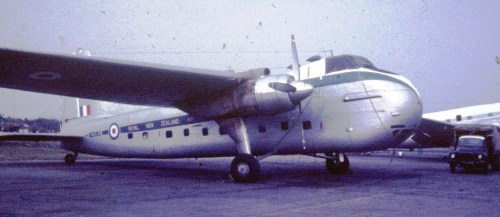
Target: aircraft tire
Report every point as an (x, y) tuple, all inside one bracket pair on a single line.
[(69, 159), (337, 167), (245, 168), (453, 168)]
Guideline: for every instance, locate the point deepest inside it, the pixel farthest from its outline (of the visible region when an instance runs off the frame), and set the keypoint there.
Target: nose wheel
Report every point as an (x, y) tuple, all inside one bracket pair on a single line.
[(338, 163), (245, 168)]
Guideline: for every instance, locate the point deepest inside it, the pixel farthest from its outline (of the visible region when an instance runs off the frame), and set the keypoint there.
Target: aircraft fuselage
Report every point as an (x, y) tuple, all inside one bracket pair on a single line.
[(349, 110)]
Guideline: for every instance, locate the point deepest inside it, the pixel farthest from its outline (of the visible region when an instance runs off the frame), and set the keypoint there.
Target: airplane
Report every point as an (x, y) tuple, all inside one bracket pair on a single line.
[(322, 109), (477, 114), (437, 128)]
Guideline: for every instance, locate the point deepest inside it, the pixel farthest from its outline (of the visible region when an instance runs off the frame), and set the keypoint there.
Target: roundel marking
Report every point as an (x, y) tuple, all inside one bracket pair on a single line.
[(114, 131)]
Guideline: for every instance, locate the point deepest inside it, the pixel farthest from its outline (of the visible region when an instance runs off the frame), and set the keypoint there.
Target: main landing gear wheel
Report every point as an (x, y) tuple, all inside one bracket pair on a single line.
[(338, 164), (70, 158), (245, 168)]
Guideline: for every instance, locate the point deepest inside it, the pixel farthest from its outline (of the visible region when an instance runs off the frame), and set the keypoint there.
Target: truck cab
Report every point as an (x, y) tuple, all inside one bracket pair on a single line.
[(475, 149)]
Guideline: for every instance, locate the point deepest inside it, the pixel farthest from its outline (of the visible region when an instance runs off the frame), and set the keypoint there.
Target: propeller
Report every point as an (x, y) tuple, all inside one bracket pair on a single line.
[(296, 72), (287, 88), (295, 60), (298, 91)]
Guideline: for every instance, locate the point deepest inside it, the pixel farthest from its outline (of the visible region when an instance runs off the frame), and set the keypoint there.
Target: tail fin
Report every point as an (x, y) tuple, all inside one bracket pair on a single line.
[(75, 108), (69, 109)]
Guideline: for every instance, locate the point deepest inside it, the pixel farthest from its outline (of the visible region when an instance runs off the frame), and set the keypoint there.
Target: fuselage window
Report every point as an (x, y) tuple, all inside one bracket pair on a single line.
[(262, 129), (145, 135), (222, 132), (307, 125), (168, 134), (284, 125), (130, 136), (459, 117), (186, 132), (204, 131)]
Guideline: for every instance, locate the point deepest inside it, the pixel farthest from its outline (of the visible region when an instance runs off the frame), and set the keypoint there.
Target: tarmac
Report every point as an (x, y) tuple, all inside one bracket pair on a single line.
[(378, 185)]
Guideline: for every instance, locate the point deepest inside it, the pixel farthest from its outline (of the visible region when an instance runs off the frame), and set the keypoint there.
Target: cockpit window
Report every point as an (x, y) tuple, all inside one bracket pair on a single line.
[(343, 62)]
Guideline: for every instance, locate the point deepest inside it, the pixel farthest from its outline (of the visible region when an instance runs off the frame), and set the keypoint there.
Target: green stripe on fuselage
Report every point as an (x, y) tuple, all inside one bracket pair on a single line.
[(352, 76)]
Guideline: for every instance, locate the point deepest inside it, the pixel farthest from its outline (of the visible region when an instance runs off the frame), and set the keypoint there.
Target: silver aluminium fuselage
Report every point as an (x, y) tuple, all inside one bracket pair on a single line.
[(350, 110)]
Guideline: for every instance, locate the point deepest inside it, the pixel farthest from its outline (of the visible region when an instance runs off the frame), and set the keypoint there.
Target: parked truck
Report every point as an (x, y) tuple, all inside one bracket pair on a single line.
[(476, 147)]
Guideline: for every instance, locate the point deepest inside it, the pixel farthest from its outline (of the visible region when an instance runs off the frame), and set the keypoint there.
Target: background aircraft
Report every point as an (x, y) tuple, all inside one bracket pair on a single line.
[(437, 128), (323, 109)]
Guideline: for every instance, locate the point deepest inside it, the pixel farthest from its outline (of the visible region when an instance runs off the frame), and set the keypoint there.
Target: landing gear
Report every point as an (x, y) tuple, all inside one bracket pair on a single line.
[(70, 158), (245, 168), (338, 163)]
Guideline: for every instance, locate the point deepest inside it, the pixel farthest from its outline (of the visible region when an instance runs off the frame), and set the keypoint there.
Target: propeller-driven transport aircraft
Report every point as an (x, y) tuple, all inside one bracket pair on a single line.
[(323, 109)]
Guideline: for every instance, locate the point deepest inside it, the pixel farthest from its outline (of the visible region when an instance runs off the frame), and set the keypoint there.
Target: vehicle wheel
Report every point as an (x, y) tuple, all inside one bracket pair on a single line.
[(485, 169), (245, 168), (495, 165), (336, 167), (453, 168), (69, 159)]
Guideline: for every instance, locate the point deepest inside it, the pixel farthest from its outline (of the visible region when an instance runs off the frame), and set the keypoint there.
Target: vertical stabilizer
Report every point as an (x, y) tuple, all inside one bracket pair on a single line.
[(69, 108), (74, 108)]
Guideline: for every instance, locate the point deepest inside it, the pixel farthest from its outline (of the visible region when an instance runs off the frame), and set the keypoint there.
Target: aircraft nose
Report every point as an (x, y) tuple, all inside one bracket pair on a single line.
[(398, 106)]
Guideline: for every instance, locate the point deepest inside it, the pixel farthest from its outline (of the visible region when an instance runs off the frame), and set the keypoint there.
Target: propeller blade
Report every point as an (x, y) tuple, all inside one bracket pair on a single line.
[(302, 91), (295, 60), (287, 88)]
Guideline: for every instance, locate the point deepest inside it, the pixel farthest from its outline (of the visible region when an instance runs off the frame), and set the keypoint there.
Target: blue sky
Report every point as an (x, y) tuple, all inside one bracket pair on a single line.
[(446, 48)]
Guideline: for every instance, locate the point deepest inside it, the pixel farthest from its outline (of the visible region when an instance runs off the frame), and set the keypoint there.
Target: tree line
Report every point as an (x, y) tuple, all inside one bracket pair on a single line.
[(40, 125)]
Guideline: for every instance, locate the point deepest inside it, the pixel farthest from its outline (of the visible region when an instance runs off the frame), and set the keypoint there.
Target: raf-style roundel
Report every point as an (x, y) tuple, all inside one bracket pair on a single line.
[(114, 131)]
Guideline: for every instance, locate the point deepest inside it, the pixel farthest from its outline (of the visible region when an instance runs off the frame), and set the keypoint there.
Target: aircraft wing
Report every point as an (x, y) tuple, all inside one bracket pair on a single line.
[(432, 133), (37, 137), (109, 80)]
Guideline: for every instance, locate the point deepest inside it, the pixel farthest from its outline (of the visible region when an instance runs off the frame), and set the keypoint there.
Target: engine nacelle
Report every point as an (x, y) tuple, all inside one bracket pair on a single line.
[(272, 101), (263, 96)]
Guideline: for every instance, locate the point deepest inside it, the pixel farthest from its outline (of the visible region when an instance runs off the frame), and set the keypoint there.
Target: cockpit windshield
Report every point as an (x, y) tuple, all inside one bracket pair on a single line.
[(343, 62)]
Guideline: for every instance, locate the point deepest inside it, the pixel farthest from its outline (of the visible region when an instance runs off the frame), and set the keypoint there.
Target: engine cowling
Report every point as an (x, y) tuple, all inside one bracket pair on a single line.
[(263, 96)]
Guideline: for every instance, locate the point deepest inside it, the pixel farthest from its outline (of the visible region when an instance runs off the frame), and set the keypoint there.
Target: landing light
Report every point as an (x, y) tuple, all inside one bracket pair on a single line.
[(452, 156)]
